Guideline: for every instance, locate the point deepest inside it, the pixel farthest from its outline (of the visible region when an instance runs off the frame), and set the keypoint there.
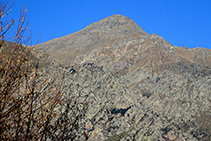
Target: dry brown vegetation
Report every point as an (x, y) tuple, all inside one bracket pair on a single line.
[(32, 106)]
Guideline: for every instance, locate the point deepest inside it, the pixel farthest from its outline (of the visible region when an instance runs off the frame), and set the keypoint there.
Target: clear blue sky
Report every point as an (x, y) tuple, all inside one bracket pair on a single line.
[(181, 22)]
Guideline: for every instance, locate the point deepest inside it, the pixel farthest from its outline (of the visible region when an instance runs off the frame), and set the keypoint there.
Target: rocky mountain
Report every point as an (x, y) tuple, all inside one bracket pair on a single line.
[(140, 87)]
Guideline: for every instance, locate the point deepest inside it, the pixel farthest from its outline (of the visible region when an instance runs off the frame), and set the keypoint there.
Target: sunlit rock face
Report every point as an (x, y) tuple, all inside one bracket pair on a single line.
[(140, 87)]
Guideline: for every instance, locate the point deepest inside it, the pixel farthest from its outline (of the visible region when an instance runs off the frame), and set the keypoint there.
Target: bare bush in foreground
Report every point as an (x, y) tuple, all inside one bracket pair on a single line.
[(34, 105)]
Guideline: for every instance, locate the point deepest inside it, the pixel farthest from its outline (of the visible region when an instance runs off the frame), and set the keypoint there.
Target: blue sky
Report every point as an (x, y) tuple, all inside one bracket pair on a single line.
[(181, 22)]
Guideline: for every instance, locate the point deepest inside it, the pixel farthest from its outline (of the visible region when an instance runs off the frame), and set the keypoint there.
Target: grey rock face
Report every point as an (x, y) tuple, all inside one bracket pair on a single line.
[(142, 105)]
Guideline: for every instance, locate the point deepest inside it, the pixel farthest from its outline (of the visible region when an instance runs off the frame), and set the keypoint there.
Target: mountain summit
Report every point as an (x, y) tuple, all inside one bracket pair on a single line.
[(115, 25), (118, 23)]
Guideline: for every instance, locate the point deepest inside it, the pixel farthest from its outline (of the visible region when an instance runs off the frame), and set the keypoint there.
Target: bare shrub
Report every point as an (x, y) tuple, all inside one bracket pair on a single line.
[(34, 105)]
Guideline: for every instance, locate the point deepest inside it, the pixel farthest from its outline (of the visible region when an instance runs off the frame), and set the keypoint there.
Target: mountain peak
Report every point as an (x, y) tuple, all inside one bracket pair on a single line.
[(116, 20), (117, 24)]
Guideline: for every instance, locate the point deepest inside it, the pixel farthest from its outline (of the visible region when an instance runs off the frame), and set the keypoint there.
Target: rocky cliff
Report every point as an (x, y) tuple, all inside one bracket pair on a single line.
[(140, 87)]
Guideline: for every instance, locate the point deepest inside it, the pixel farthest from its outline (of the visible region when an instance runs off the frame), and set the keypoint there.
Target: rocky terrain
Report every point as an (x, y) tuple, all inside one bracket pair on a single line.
[(139, 86)]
